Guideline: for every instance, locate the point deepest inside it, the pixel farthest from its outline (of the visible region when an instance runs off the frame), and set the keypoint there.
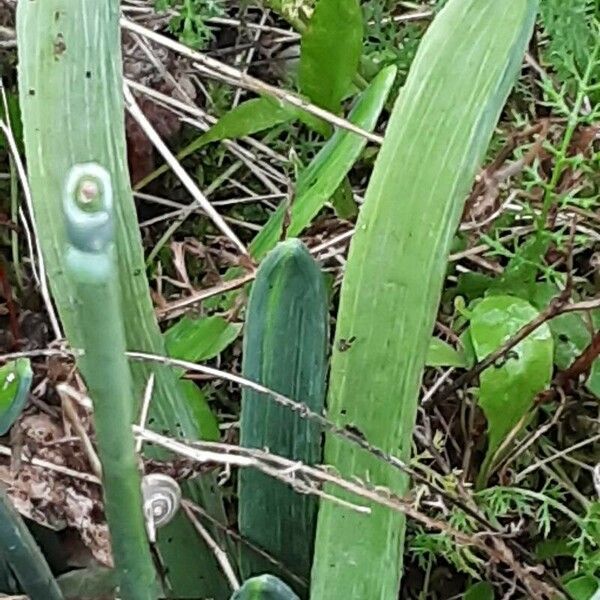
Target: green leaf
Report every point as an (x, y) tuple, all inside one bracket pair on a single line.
[(195, 340), (520, 274), (208, 425), (264, 587), (89, 583), (593, 382), (442, 354), (585, 587), (435, 141), (507, 390), (480, 591), (343, 201), (15, 383), (319, 181), (330, 51), (552, 548), (571, 333), (249, 117)]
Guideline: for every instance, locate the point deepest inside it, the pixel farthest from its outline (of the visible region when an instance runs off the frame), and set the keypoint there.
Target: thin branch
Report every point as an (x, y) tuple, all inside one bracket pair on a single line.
[(218, 552), (29, 203), (186, 180), (308, 479), (248, 82), (242, 540)]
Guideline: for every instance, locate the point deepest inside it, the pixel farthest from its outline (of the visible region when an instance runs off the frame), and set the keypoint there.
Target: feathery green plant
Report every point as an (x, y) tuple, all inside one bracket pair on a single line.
[(438, 133)]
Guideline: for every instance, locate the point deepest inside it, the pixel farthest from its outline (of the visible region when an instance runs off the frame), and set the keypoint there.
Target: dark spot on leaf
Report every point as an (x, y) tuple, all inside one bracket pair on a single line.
[(59, 46), (88, 74), (563, 337), (345, 344), (31, 92)]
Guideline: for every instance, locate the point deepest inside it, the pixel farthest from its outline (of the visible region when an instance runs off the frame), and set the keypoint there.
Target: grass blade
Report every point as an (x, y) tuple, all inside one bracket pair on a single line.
[(327, 171), (437, 135)]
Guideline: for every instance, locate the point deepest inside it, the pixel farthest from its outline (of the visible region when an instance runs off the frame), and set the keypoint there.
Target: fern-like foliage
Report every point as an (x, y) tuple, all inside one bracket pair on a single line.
[(189, 21), (571, 28)]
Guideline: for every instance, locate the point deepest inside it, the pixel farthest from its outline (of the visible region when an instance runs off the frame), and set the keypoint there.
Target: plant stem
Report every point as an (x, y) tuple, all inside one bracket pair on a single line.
[(92, 267)]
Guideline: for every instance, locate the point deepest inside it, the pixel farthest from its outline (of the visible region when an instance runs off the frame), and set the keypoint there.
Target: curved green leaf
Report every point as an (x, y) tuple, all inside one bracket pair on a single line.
[(24, 556), (508, 389), (15, 383), (200, 339), (330, 51), (247, 118), (436, 138), (200, 409), (323, 176), (585, 587)]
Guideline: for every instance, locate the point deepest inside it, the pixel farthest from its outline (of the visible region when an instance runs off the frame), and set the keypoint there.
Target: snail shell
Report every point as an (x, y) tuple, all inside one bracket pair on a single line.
[(162, 497)]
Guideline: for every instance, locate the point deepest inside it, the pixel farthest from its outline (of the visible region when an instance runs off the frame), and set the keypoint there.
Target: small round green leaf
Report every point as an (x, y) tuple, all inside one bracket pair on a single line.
[(15, 383)]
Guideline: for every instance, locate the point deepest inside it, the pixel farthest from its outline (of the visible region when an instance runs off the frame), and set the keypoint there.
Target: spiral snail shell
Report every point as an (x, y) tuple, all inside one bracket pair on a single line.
[(162, 496)]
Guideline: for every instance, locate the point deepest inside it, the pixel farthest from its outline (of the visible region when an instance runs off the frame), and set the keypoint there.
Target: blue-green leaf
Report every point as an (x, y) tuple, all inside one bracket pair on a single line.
[(15, 383), (330, 51)]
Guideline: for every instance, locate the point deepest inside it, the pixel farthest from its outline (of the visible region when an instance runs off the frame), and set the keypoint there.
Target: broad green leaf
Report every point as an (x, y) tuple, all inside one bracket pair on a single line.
[(249, 117), (330, 51), (15, 383), (442, 354), (508, 389), (572, 335), (585, 587), (195, 340), (520, 274), (480, 591), (343, 201), (553, 548), (435, 142), (570, 332), (89, 583), (328, 169), (208, 426)]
